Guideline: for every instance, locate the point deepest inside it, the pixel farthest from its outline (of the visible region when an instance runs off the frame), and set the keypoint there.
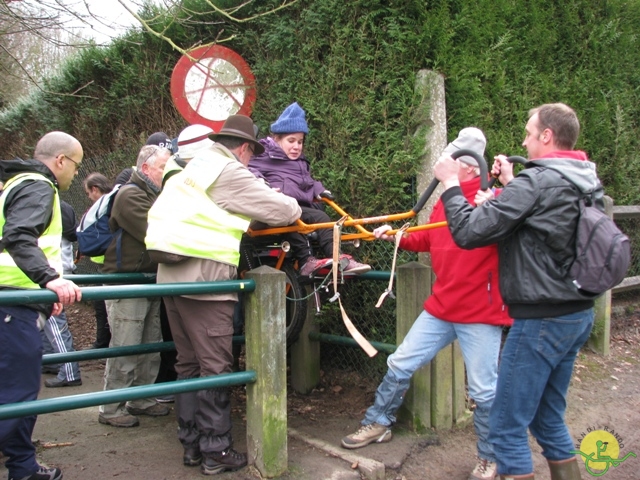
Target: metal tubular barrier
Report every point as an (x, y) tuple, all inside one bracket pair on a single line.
[(100, 353), (72, 402), (382, 276), (349, 342), (11, 297), (266, 357), (109, 278)]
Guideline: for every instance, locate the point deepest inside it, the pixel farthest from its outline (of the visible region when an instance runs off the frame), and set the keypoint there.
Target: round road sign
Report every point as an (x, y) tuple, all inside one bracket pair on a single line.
[(219, 83)]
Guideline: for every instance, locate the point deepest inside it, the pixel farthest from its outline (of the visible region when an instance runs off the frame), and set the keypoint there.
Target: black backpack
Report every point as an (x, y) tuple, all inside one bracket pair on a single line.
[(603, 252)]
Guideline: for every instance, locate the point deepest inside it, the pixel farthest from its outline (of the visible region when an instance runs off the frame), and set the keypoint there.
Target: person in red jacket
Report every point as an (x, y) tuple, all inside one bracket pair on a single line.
[(465, 304)]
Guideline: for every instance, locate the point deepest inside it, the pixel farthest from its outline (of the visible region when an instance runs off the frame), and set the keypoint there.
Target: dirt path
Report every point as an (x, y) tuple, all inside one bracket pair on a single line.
[(604, 394)]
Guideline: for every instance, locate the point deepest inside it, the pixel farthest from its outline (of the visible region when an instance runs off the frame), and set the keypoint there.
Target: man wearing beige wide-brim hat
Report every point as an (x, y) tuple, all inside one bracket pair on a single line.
[(200, 217)]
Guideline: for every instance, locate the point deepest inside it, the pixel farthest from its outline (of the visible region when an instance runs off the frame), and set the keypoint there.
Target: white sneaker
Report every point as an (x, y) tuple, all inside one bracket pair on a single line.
[(366, 434), (485, 470)]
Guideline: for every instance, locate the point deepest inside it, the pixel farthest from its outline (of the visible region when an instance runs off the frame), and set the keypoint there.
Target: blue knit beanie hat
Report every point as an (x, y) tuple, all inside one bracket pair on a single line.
[(291, 121)]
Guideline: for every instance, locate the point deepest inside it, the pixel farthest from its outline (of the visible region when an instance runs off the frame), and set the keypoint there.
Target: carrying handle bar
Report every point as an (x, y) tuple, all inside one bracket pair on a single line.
[(484, 182), (512, 159)]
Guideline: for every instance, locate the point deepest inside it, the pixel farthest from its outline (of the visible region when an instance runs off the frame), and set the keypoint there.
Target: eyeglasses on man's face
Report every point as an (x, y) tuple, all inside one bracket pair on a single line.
[(77, 164)]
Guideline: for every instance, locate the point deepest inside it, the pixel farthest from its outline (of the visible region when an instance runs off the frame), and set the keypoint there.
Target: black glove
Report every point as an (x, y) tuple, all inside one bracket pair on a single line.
[(326, 194)]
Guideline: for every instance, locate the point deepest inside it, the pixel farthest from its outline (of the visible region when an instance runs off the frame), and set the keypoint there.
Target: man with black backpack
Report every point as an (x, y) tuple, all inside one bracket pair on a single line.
[(534, 222)]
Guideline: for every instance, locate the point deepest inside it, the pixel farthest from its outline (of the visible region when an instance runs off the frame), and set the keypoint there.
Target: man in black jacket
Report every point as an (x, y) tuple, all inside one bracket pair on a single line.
[(534, 223), (30, 258)]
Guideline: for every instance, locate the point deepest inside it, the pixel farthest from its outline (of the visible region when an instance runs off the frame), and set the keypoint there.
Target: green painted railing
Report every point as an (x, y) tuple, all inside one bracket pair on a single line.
[(71, 402), (107, 292), (349, 342), (100, 353), (111, 278)]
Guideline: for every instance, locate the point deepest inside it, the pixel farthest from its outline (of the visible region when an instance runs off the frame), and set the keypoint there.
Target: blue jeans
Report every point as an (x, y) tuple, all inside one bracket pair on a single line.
[(56, 338), (535, 370), (480, 345)]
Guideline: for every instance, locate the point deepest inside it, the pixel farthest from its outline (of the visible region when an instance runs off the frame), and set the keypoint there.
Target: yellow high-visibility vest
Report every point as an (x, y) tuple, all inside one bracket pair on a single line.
[(10, 274), (185, 221)]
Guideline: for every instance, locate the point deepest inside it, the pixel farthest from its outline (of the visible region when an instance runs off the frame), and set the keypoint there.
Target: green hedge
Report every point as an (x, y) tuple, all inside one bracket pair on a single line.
[(352, 66)]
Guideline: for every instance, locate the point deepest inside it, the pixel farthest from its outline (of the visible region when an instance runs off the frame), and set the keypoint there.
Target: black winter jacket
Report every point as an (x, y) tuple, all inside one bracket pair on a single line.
[(28, 213), (534, 222)]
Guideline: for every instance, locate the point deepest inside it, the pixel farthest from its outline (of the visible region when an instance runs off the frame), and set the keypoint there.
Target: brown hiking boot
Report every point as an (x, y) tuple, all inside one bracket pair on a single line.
[(157, 410), (124, 421), (366, 434), (192, 456)]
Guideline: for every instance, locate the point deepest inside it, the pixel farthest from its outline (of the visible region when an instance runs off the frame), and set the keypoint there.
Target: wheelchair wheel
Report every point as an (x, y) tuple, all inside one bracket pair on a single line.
[(296, 304)]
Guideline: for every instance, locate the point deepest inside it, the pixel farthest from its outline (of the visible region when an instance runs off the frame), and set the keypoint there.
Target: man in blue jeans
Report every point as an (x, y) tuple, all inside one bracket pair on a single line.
[(534, 223), (465, 305)]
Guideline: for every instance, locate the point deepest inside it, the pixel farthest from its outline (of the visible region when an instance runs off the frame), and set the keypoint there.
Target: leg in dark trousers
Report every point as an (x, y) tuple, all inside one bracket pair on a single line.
[(103, 333), (167, 372)]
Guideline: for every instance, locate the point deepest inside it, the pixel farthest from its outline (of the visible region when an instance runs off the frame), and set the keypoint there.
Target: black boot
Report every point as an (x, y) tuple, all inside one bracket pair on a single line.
[(192, 456), (227, 460)]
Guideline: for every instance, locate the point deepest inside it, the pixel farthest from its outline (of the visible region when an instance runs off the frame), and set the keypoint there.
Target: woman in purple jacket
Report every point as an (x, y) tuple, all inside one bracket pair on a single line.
[(285, 168)]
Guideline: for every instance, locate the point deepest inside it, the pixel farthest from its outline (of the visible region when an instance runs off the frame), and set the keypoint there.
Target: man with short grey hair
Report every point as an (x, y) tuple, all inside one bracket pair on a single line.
[(133, 321)]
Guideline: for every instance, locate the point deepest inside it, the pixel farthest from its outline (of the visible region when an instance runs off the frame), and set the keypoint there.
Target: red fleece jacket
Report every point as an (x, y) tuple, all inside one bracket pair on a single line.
[(466, 289)]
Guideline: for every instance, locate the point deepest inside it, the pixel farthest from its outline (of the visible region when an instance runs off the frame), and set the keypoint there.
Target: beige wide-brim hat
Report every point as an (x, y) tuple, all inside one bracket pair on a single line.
[(240, 126), (470, 138)]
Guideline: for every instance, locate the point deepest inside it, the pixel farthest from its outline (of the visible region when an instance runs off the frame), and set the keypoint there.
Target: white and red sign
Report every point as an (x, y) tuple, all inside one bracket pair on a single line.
[(213, 84)]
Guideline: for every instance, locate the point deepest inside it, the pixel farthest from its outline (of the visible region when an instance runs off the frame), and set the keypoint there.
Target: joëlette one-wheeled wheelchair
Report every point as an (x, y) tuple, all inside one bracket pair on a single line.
[(269, 247)]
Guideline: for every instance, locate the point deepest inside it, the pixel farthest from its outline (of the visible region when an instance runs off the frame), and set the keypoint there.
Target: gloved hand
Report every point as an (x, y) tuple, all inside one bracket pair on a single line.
[(326, 194)]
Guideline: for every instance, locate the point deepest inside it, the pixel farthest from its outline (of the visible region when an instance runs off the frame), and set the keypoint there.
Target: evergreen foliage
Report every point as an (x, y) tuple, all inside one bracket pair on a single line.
[(352, 66)]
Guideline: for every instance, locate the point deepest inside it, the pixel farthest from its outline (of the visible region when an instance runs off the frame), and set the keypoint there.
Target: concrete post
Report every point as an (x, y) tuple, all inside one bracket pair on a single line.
[(413, 287), (601, 333), (305, 354), (431, 118), (265, 325)]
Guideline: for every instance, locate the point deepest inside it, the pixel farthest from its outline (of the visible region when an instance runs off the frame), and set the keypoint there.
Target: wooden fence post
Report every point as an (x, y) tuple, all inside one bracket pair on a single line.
[(601, 333), (265, 325), (413, 287)]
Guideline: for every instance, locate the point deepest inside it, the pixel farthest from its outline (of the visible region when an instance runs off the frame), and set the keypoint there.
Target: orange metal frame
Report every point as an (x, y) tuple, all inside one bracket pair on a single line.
[(357, 223)]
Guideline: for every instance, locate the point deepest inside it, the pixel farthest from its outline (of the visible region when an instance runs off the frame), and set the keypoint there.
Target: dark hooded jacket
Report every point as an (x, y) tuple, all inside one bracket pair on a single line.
[(534, 222), (292, 177)]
